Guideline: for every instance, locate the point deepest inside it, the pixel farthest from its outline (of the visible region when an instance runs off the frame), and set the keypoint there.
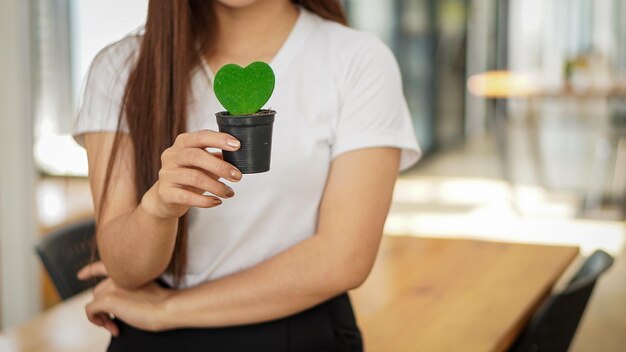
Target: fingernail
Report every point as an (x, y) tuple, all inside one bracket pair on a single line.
[(236, 174), (217, 202), (233, 143), (229, 192)]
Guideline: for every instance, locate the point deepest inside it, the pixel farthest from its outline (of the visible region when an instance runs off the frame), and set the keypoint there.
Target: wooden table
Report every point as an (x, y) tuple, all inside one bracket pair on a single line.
[(63, 328), (423, 295), (454, 295)]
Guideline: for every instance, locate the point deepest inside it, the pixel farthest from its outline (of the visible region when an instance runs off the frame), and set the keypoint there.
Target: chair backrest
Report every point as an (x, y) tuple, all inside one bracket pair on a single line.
[(64, 252), (554, 325)]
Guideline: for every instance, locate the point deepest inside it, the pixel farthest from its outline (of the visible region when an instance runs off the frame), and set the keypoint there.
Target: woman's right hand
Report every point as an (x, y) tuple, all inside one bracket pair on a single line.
[(188, 170)]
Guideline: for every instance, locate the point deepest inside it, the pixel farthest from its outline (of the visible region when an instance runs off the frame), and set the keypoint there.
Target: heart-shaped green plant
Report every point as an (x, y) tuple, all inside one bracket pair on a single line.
[(244, 91)]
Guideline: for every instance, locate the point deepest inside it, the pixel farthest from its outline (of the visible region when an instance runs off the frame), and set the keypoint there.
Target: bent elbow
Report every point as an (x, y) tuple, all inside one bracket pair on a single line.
[(356, 273), (127, 282), (356, 280), (132, 283), (132, 280)]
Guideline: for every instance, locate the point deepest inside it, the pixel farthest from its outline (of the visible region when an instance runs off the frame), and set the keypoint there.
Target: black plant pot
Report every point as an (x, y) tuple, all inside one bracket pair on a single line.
[(255, 134)]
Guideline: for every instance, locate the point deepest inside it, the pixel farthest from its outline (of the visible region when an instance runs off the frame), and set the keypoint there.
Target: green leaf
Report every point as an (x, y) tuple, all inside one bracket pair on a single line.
[(244, 90)]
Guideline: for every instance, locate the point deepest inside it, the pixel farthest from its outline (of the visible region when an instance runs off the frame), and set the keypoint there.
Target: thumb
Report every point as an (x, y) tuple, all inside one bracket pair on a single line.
[(95, 269)]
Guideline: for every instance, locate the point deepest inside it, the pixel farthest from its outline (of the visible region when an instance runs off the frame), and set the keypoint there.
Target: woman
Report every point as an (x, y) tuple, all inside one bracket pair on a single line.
[(199, 257)]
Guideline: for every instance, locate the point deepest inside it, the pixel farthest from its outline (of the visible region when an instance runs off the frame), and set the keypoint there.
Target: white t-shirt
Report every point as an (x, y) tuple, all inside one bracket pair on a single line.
[(337, 89)]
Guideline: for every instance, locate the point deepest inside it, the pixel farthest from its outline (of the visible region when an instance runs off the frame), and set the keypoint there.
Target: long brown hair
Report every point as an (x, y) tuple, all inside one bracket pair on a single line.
[(177, 33)]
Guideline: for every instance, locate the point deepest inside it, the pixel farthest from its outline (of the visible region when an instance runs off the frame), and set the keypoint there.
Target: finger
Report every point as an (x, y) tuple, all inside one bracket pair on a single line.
[(185, 197), (96, 269), (99, 318), (195, 190), (106, 322), (94, 316), (96, 319), (207, 139), (194, 178), (194, 157), (218, 155), (210, 174), (111, 326)]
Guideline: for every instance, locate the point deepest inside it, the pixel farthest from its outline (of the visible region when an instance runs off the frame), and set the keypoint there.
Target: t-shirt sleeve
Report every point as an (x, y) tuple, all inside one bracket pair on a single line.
[(100, 105), (373, 110)]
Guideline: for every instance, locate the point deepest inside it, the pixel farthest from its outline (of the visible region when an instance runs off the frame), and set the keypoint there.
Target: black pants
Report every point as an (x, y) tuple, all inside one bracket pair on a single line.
[(329, 326)]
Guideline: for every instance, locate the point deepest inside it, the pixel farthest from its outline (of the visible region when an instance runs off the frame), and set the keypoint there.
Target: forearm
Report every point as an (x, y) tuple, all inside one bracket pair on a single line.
[(137, 247), (299, 278)]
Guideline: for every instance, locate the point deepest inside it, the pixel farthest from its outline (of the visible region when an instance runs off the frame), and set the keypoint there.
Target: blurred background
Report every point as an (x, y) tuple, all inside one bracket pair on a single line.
[(519, 106)]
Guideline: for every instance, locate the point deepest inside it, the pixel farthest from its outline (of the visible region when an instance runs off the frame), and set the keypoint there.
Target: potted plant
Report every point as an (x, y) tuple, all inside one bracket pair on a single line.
[(243, 92)]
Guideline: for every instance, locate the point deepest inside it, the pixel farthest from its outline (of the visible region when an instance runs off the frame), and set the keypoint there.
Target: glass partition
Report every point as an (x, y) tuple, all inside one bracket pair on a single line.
[(67, 35), (429, 40)]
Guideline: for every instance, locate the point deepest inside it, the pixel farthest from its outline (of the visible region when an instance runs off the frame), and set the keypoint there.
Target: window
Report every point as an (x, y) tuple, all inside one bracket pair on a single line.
[(67, 36)]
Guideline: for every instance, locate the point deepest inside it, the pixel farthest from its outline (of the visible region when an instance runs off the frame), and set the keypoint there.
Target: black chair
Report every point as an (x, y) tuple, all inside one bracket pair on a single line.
[(554, 325), (64, 252)]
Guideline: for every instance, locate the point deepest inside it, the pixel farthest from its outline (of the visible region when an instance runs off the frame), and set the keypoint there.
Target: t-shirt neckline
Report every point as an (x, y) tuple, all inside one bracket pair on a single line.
[(286, 52)]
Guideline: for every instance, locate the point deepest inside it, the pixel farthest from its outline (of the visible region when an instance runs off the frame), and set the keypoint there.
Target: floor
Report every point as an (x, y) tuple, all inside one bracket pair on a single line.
[(461, 193)]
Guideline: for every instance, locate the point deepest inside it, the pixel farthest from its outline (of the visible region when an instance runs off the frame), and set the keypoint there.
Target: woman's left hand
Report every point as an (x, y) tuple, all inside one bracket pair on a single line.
[(142, 308)]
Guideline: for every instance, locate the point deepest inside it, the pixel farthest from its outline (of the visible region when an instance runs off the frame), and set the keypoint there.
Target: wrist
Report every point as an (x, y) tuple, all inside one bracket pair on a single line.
[(151, 205), (166, 312)]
